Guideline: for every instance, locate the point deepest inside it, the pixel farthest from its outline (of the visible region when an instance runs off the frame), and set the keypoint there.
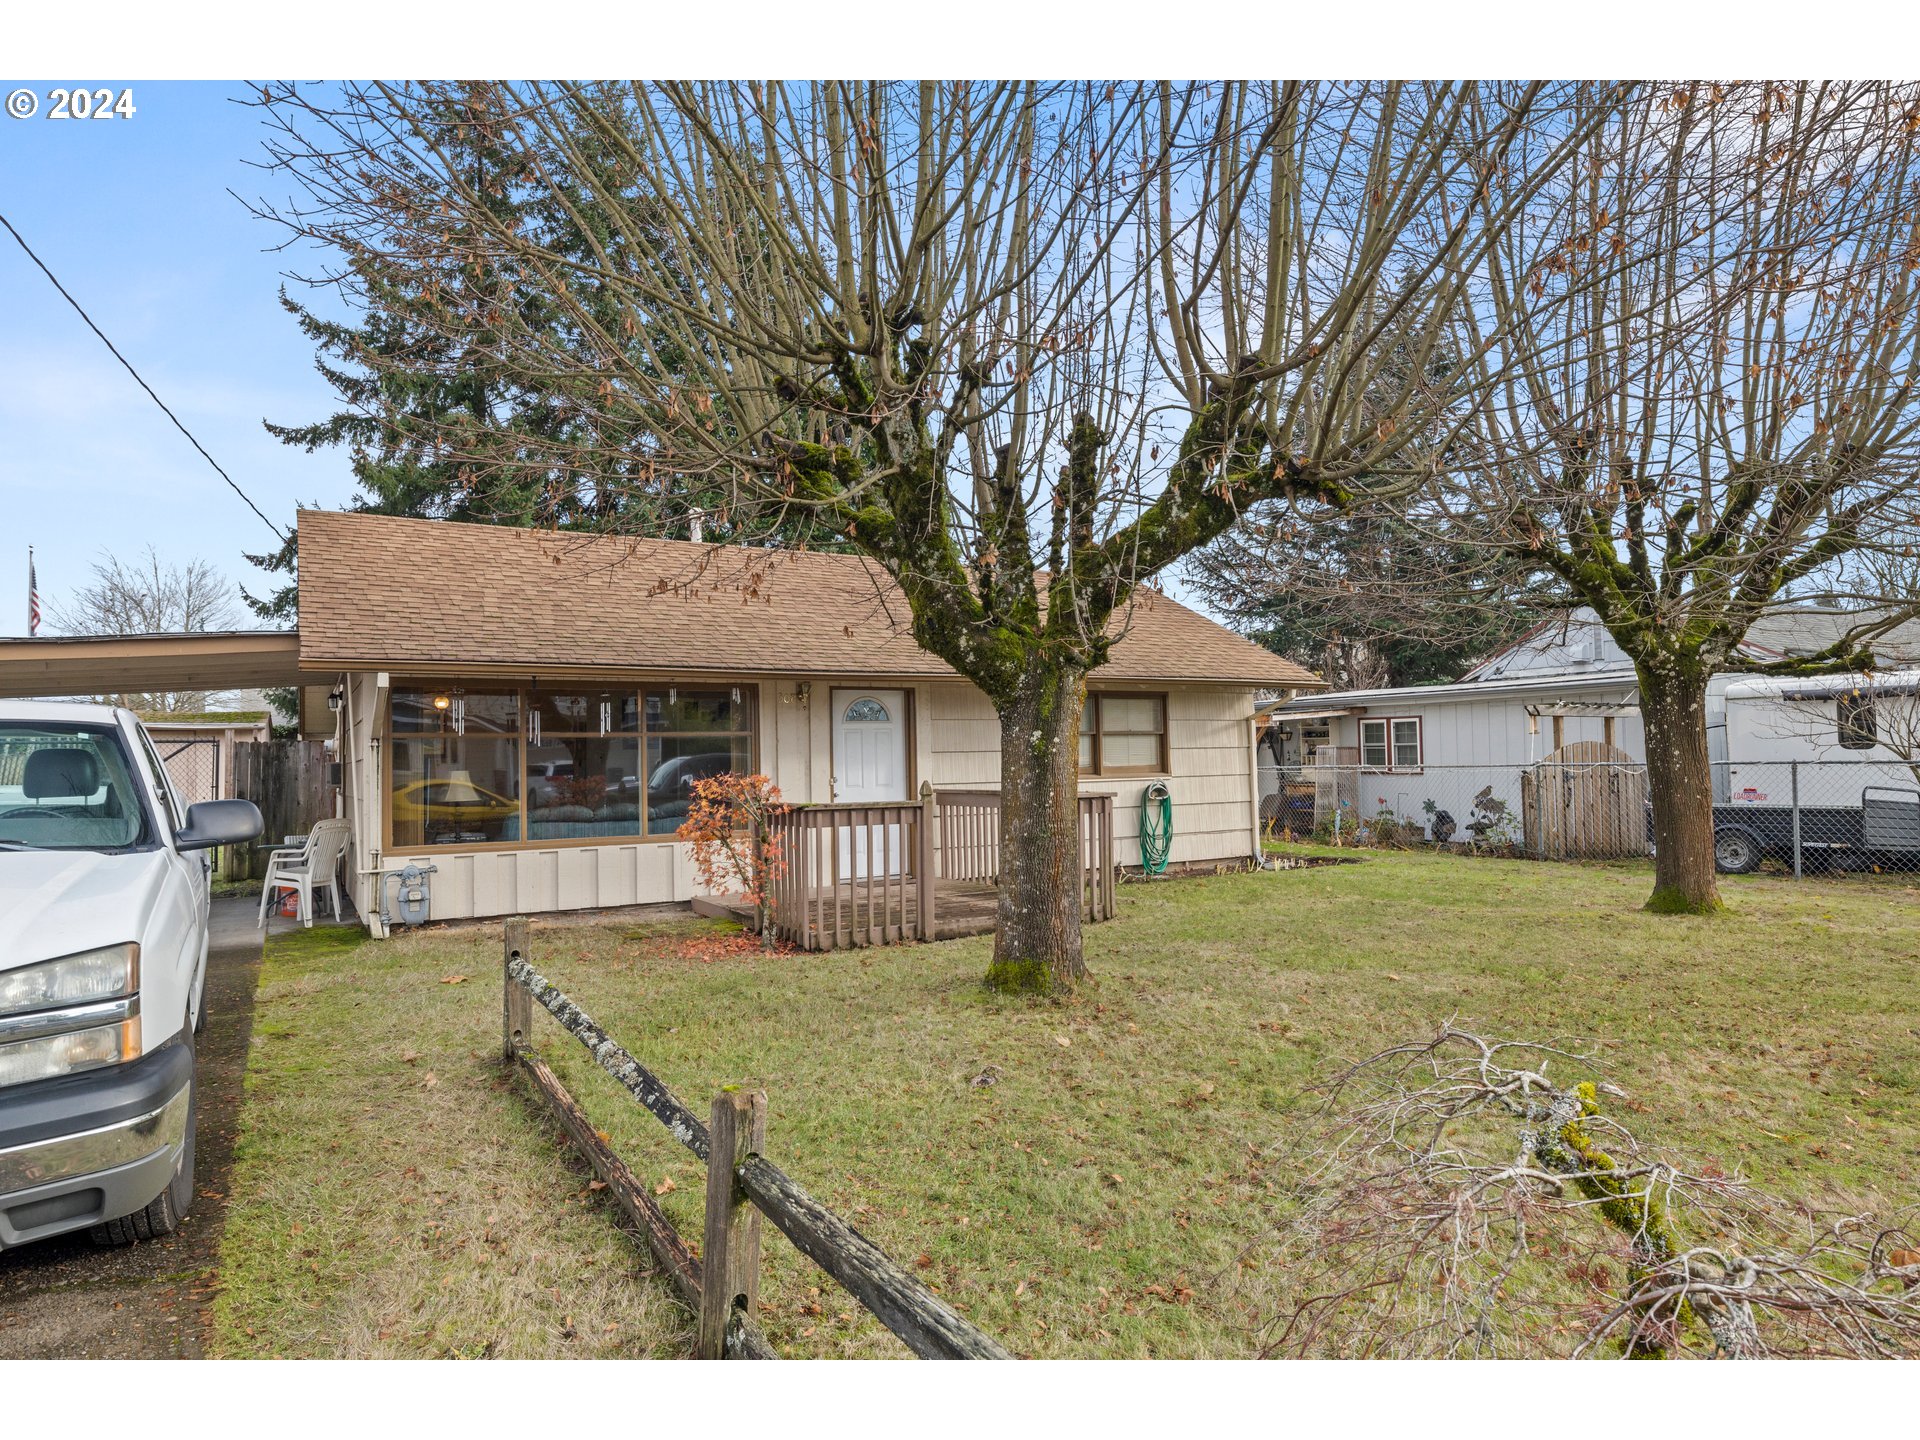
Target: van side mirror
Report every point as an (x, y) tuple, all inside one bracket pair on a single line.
[(219, 822)]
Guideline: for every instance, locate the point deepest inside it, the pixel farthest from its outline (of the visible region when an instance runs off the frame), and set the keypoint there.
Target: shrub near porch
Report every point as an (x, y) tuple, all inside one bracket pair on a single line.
[(1096, 1197)]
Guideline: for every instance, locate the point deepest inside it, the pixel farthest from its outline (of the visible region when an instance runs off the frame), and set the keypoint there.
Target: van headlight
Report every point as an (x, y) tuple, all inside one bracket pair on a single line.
[(104, 974)]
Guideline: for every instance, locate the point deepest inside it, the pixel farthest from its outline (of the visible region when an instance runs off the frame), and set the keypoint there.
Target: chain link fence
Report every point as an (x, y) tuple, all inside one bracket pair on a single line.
[(1800, 817), (194, 768)]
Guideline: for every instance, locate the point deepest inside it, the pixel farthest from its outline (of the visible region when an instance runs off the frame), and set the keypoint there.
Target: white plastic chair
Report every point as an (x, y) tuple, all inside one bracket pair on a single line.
[(305, 868)]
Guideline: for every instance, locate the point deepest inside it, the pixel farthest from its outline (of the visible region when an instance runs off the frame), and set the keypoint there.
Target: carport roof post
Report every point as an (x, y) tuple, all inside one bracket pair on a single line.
[(52, 666)]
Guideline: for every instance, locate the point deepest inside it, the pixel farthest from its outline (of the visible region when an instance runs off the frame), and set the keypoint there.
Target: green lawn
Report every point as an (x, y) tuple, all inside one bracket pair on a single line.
[(393, 1196), (1087, 1201)]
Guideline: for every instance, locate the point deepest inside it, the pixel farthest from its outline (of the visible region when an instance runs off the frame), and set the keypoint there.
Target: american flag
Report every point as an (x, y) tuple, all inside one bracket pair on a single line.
[(33, 597)]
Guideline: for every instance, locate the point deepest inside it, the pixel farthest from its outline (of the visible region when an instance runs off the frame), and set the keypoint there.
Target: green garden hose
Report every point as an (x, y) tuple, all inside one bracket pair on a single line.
[(1156, 829)]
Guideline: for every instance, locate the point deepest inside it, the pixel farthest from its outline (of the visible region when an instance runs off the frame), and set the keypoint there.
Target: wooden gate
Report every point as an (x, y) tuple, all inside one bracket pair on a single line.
[(291, 781), (1585, 801)]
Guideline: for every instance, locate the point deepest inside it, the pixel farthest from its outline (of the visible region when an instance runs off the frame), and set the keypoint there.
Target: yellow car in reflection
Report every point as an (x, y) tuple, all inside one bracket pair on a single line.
[(456, 801)]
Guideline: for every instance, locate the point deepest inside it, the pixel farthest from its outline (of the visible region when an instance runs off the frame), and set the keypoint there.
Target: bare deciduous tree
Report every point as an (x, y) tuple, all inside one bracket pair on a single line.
[(1459, 1200), (1693, 380), (1023, 345), (149, 597)]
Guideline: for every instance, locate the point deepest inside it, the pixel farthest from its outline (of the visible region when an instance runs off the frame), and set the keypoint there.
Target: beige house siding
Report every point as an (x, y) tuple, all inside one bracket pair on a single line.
[(1210, 752), (954, 742)]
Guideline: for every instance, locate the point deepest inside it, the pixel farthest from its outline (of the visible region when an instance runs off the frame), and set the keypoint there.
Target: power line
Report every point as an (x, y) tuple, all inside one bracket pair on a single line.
[(136, 375)]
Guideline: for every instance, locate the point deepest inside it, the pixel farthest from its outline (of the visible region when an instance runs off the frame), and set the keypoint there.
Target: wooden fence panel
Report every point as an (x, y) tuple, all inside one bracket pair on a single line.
[(291, 782)]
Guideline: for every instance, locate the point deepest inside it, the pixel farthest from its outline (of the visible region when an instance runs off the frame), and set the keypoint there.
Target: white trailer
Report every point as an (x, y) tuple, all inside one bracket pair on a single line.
[(1820, 772)]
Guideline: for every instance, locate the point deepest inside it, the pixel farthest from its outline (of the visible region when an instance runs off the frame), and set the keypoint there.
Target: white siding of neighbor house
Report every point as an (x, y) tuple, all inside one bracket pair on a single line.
[(956, 744), (1491, 732)]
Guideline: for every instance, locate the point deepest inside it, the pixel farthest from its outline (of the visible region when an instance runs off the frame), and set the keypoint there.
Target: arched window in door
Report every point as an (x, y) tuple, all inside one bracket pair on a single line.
[(867, 710)]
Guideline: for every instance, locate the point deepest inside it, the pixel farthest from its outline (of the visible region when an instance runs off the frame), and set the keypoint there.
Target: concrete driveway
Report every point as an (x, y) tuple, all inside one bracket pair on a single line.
[(65, 1298)]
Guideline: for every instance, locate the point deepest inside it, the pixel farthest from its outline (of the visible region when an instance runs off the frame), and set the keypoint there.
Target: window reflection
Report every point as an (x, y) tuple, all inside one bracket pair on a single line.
[(489, 765)]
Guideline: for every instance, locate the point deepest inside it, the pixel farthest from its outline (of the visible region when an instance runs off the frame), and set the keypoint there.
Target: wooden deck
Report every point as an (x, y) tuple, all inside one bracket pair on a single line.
[(852, 875), (960, 908)]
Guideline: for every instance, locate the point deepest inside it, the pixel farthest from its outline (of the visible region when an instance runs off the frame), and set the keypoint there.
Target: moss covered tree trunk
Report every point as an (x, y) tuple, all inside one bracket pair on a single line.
[(1673, 705), (1036, 948)]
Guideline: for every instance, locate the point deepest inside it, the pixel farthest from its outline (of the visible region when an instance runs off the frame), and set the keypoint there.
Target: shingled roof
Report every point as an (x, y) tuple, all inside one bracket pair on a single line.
[(387, 593)]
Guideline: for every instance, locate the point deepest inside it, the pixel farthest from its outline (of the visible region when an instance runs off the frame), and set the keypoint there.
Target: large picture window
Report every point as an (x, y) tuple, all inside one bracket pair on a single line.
[(493, 766), (1123, 735), (691, 734), (455, 767), (583, 764)]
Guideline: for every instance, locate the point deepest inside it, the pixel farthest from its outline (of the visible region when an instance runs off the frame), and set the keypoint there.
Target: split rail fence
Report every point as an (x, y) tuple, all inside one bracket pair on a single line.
[(722, 1283)]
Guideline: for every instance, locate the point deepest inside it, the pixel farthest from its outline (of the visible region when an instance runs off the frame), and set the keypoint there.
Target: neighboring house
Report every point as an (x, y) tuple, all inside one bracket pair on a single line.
[(1565, 681)]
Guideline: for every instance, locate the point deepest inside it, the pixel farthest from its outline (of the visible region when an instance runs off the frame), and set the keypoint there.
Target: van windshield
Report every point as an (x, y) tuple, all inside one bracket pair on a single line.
[(66, 787)]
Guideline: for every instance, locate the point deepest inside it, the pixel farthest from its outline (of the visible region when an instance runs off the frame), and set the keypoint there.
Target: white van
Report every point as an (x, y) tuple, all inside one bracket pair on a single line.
[(103, 952)]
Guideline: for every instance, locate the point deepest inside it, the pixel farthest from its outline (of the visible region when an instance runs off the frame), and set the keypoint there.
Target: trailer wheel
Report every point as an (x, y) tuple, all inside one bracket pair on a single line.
[(1735, 851)]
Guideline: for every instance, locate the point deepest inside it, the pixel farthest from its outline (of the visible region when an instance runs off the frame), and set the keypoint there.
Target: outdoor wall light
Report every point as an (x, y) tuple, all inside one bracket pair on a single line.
[(333, 701), (803, 692), (441, 702)]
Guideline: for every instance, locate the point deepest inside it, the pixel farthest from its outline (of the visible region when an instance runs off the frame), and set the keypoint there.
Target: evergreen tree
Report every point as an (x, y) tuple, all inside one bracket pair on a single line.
[(413, 397)]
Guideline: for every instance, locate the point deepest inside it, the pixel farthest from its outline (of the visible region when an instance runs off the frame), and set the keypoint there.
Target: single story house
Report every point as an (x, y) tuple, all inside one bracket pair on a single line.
[(527, 711), (1566, 680)]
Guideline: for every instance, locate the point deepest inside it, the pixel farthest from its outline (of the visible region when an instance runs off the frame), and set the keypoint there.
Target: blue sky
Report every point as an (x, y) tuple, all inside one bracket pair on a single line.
[(135, 219)]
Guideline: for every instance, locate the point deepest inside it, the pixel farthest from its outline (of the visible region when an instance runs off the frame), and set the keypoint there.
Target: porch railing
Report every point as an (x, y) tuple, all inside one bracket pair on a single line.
[(969, 836), (860, 874), (852, 875)]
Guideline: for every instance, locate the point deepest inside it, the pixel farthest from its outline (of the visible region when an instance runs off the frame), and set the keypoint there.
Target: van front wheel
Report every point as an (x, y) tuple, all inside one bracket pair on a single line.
[(167, 1209)]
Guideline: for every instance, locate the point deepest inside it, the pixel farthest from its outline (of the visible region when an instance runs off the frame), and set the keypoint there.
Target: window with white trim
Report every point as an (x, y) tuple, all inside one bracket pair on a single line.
[(1123, 734), (1391, 744)]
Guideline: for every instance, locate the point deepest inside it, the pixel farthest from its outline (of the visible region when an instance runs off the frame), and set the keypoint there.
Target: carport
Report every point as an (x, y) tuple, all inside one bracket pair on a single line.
[(79, 667), (52, 666)]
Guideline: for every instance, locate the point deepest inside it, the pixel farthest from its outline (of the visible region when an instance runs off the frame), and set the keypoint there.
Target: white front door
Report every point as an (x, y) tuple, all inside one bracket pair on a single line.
[(869, 767)]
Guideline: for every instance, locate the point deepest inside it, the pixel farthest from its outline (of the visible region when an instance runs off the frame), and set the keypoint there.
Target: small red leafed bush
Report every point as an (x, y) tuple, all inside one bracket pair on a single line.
[(730, 833)]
